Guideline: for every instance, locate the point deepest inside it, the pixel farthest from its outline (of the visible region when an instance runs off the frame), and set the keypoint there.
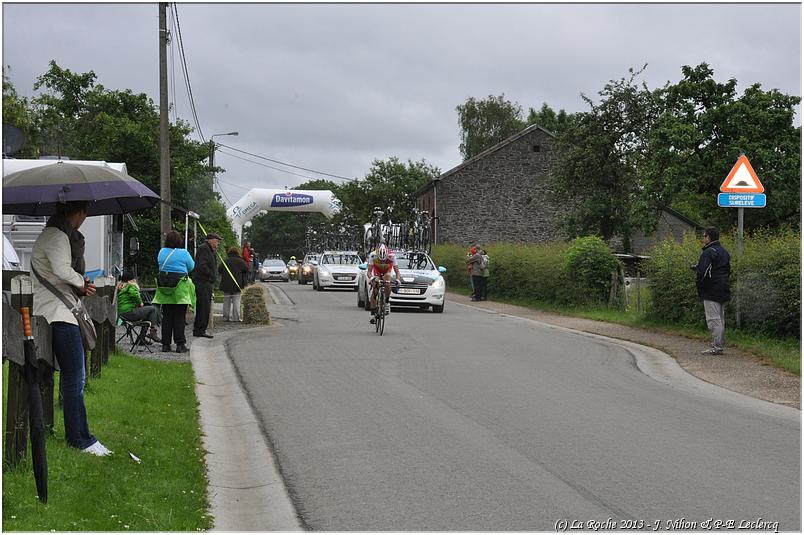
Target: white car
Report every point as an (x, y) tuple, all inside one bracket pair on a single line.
[(274, 269), (337, 269), (422, 283)]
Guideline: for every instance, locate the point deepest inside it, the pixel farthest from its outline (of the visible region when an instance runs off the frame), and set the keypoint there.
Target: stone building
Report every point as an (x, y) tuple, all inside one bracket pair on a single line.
[(503, 195)]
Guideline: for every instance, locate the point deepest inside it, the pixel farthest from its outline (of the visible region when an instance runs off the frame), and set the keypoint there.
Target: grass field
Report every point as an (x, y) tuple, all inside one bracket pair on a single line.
[(145, 407)]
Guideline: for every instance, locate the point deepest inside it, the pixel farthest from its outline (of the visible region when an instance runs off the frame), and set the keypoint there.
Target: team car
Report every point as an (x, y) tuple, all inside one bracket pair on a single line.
[(337, 269), (273, 269), (307, 268), (422, 283)]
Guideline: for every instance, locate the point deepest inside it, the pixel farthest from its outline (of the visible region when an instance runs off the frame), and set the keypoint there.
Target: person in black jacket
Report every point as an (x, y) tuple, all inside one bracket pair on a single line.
[(233, 286), (713, 272), (206, 269)]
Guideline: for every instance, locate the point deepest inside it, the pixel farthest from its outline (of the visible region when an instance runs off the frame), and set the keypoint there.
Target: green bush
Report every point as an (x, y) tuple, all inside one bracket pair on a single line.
[(588, 266), (254, 309), (767, 280), (673, 295)]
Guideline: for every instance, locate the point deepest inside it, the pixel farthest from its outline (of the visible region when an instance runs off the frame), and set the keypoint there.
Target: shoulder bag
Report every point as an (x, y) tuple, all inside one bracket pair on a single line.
[(88, 333), (166, 279)]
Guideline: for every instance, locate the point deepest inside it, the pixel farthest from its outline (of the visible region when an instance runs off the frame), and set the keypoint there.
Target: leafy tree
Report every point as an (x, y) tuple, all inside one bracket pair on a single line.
[(547, 118), (389, 184), (17, 112), (703, 129), (83, 120), (602, 153), (484, 123)]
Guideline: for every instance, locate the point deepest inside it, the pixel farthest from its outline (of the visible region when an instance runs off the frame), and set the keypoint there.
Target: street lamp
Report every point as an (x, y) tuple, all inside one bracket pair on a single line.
[(212, 154)]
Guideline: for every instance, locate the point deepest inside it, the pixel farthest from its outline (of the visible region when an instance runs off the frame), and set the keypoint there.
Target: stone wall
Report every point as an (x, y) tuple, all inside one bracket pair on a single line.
[(502, 196)]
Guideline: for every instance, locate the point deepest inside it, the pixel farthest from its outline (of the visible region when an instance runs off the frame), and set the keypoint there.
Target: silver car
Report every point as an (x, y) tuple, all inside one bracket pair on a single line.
[(422, 283), (274, 269), (337, 269)]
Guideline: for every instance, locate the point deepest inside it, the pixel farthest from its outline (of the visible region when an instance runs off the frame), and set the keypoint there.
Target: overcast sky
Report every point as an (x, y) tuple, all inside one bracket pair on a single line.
[(334, 87)]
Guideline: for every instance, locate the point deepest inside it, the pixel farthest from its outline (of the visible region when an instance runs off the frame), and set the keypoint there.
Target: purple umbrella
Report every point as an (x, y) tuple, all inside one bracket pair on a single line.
[(38, 191)]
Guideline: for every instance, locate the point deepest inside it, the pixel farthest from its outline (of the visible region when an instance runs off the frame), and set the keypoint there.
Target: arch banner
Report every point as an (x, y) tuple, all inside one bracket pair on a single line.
[(257, 200)]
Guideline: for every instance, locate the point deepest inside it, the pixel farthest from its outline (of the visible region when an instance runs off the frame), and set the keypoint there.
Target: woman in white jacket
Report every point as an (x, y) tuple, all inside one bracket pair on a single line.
[(58, 257)]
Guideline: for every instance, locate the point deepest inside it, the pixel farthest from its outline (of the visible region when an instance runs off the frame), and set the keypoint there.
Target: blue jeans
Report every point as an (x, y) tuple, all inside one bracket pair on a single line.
[(69, 352)]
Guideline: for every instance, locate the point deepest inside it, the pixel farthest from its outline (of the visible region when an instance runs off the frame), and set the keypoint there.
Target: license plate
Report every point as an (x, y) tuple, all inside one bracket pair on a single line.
[(409, 291), (343, 278)]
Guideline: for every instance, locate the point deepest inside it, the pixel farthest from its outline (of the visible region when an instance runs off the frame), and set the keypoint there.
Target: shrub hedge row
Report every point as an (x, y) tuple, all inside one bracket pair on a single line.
[(767, 278), (567, 273)]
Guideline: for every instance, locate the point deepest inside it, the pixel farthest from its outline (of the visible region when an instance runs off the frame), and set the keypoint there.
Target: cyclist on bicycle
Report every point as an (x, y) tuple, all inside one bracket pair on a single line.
[(380, 264)]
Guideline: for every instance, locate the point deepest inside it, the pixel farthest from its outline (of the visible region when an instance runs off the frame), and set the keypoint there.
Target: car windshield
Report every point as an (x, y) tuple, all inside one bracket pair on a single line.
[(414, 261), (273, 263), (342, 259)]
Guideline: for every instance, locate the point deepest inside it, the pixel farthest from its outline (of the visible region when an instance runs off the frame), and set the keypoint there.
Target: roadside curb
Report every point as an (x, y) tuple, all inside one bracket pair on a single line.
[(246, 490), (663, 368)]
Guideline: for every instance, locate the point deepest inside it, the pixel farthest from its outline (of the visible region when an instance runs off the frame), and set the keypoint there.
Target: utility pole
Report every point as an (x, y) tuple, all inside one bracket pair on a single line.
[(164, 139)]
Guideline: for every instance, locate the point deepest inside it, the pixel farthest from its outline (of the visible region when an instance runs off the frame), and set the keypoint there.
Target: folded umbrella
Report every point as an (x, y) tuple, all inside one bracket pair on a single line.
[(39, 190), (33, 374)]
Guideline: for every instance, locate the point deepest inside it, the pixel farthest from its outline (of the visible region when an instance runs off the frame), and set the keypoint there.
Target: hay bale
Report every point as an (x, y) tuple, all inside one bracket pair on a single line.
[(254, 309)]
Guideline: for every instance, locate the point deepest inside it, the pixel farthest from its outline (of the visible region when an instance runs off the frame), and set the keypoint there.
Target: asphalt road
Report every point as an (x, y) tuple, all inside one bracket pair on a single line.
[(471, 421)]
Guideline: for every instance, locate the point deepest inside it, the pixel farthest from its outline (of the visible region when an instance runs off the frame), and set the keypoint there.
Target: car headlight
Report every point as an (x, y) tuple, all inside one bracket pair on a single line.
[(438, 284), (306, 269), (323, 272), (285, 270)]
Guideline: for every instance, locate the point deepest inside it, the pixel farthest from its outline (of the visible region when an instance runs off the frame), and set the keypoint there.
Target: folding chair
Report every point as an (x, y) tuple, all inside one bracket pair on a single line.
[(137, 338)]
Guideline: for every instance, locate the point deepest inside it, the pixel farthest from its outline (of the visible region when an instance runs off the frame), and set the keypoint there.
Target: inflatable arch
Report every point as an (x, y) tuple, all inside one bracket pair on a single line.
[(258, 200)]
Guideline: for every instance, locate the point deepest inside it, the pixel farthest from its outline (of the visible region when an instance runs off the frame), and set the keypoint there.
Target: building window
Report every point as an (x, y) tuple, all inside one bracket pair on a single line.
[(537, 148)]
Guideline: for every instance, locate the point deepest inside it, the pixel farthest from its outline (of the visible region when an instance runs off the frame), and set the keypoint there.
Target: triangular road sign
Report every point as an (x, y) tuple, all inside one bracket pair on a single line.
[(742, 178)]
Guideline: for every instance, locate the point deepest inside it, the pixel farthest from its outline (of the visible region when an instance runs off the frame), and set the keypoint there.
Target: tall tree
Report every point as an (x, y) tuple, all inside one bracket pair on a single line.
[(602, 152), (546, 117), (388, 184), (84, 120), (703, 129), (484, 123), (17, 112)]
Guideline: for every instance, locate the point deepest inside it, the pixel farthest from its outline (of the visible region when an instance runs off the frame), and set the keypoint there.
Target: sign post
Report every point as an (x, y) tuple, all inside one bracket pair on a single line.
[(741, 189)]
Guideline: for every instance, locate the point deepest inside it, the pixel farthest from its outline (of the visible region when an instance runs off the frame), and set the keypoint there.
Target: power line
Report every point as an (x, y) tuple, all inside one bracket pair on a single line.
[(288, 164), (266, 165), (187, 75)]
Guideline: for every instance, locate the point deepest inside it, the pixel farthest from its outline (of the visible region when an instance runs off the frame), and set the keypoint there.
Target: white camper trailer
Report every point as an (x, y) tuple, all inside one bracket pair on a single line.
[(103, 233)]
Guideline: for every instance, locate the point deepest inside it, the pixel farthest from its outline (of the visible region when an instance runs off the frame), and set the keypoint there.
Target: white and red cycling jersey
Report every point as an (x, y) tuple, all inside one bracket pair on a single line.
[(378, 267)]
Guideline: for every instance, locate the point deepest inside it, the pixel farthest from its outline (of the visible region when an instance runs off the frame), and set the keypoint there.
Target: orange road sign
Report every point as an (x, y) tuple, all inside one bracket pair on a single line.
[(742, 178)]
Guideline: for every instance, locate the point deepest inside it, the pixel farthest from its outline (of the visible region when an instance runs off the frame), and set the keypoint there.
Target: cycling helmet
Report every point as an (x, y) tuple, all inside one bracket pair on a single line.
[(293, 258), (382, 252)]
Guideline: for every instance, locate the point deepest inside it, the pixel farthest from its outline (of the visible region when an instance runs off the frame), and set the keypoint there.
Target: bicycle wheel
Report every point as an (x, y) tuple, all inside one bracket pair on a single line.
[(379, 326)]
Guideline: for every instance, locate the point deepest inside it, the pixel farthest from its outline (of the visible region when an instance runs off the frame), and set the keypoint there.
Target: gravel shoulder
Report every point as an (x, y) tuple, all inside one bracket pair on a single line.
[(735, 370)]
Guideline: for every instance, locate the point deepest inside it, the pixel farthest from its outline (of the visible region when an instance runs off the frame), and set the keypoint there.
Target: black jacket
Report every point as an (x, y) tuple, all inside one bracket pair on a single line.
[(713, 273), (239, 269), (206, 265)]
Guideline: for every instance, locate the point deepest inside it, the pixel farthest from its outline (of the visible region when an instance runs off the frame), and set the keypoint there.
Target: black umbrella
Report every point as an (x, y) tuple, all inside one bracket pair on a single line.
[(33, 376), (39, 190)]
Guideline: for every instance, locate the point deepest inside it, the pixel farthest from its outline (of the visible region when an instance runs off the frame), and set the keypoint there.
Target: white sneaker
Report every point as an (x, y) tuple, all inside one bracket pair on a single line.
[(104, 448), (387, 309), (97, 449)]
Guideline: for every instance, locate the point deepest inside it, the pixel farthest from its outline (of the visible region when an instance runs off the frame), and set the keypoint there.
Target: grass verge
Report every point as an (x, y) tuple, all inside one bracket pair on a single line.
[(145, 407), (783, 353)]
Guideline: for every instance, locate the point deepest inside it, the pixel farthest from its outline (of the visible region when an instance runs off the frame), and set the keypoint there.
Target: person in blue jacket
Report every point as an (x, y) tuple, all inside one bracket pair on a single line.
[(174, 290), (713, 272)]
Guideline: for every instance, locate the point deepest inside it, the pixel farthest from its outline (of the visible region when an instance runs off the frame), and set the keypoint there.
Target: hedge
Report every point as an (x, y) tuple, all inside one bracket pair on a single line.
[(767, 280)]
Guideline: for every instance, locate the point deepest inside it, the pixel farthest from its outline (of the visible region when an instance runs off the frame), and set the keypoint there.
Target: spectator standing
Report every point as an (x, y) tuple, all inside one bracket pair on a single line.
[(255, 264), (174, 290), (474, 262), (484, 264), (206, 269), (713, 272), (58, 257), (130, 306), (232, 286), (248, 258), (471, 252)]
